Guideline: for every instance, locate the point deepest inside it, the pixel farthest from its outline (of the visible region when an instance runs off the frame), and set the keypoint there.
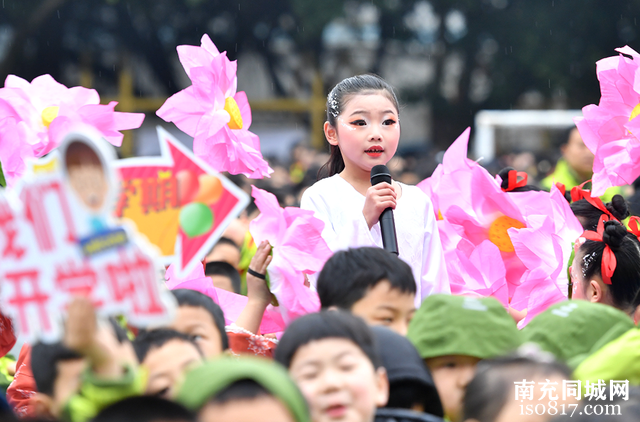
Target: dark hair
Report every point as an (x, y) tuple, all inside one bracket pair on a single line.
[(225, 241), (153, 339), (488, 391), (226, 270), (348, 275), (504, 175), (144, 409), (336, 100), (44, 364), (625, 282), (324, 325), (590, 215), (188, 297), (240, 390)]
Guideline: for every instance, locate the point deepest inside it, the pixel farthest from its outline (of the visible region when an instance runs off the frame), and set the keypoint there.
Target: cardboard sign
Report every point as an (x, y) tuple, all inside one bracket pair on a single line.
[(178, 202), (58, 239)]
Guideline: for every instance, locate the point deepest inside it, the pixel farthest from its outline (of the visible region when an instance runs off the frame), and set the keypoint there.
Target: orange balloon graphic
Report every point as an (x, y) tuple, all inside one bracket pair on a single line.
[(210, 189)]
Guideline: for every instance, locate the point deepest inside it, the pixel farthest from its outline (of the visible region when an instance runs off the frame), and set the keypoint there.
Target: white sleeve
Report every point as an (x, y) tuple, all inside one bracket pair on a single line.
[(435, 278), (340, 233)]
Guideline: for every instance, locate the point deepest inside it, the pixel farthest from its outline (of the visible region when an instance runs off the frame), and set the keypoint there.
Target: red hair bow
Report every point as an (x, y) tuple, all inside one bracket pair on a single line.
[(608, 266), (513, 182), (633, 226), (562, 188), (578, 193)]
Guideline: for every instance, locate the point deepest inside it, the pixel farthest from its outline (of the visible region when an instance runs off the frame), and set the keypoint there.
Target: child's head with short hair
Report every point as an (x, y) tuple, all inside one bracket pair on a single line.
[(332, 357), (166, 355), (223, 276), (452, 334), (57, 372), (225, 250), (244, 389), (489, 396), (144, 409), (372, 283), (200, 317)]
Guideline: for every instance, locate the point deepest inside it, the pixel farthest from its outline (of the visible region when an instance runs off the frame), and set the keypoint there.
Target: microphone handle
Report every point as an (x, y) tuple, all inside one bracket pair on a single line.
[(388, 230)]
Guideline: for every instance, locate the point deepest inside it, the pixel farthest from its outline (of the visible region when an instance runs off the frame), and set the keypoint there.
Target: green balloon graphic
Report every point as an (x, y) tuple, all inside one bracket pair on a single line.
[(195, 219)]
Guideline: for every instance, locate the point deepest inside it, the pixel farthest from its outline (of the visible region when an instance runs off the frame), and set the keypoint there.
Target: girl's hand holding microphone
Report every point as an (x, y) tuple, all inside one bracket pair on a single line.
[(378, 198)]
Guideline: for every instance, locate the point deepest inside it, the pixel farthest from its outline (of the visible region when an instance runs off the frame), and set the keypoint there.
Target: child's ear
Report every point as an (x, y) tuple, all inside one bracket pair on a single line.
[(636, 315), (382, 382), (42, 406), (595, 292), (330, 133)]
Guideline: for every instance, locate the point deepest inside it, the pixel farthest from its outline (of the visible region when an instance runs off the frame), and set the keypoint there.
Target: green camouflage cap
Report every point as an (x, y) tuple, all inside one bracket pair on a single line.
[(207, 380), (572, 330), (463, 325)]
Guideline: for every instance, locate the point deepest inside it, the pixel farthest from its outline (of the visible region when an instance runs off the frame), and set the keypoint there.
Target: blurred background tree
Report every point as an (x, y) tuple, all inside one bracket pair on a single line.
[(447, 58)]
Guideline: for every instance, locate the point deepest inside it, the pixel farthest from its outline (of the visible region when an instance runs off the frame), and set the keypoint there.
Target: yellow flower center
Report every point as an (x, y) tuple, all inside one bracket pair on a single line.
[(48, 114), (635, 112), (231, 107), (498, 232)]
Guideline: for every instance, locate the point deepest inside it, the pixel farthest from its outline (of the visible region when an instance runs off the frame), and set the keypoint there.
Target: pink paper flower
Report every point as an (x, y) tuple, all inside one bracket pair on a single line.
[(231, 303), (34, 117), (215, 114), (497, 243), (298, 249), (611, 129)]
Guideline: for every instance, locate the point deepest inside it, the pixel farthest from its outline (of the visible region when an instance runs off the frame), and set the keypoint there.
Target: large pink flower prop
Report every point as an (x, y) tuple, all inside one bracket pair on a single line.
[(231, 303), (215, 114), (34, 117), (298, 249), (611, 129), (497, 243)]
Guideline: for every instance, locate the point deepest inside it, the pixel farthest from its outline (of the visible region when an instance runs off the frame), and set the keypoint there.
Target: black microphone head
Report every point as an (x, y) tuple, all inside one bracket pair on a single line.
[(379, 174)]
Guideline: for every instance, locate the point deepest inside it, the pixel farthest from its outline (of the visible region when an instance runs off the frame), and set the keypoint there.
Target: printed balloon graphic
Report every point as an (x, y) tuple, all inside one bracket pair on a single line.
[(188, 186), (196, 219), (210, 189)]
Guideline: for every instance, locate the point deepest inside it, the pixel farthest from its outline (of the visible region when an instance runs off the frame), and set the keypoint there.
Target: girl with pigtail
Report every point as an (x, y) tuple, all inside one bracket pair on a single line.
[(363, 129)]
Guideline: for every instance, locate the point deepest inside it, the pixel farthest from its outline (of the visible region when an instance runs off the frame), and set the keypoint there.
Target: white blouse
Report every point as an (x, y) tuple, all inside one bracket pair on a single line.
[(340, 205)]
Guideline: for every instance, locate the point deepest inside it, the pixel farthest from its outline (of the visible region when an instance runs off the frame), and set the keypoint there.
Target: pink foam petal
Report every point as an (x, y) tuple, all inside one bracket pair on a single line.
[(231, 304), (245, 109), (298, 249), (12, 154), (606, 128)]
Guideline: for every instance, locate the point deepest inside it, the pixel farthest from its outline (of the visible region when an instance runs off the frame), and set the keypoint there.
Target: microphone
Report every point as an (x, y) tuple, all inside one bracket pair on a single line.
[(379, 174)]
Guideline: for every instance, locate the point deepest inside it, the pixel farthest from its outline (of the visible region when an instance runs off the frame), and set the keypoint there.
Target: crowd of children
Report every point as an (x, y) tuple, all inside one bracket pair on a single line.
[(389, 342)]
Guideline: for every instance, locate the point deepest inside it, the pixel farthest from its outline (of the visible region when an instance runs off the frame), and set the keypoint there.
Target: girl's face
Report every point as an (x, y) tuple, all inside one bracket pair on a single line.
[(367, 132), (577, 278), (339, 381)]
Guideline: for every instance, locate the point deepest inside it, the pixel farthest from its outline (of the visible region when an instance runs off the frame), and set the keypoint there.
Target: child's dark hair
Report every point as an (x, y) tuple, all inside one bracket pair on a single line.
[(590, 215), (348, 275), (144, 409), (225, 241), (625, 282), (504, 175), (336, 100), (119, 331), (246, 389), (488, 391), (44, 364), (188, 297), (226, 270), (325, 325), (152, 339)]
